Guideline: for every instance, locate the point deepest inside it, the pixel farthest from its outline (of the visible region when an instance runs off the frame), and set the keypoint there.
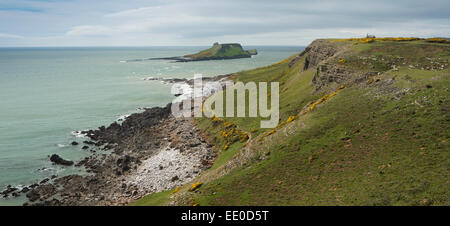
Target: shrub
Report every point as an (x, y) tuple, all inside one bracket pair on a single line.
[(291, 118), (367, 40), (227, 145), (438, 40), (243, 137), (370, 40), (195, 186), (176, 190)]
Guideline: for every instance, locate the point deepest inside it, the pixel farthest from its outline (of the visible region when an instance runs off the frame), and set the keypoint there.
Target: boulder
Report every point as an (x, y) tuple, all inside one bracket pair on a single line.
[(44, 181), (33, 195), (8, 190), (175, 178), (56, 159), (25, 190)]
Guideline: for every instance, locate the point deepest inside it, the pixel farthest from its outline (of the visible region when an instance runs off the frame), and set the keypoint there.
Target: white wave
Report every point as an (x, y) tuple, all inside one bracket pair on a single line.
[(182, 90), (79, 134), (45, 169), (123, 117), (149, 78)]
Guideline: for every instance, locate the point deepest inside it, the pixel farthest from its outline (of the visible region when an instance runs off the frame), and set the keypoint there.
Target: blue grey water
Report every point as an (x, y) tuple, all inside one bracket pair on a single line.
[(47, 93)]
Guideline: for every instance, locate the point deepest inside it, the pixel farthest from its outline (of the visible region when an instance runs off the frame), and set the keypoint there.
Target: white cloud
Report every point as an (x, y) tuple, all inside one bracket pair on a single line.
[(90, 30), (198, 22), (10, 36), (143, 11)]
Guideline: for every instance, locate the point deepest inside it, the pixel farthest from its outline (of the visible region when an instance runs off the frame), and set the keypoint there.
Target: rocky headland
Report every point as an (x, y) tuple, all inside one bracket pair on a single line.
[(218, 51), (149, 152)]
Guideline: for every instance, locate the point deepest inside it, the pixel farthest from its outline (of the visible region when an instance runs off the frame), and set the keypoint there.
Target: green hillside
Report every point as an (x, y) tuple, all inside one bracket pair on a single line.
[(363, 122), (222, 51)]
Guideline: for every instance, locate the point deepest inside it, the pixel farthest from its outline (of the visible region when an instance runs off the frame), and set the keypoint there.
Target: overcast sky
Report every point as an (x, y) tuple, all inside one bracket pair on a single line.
[(202, 22)]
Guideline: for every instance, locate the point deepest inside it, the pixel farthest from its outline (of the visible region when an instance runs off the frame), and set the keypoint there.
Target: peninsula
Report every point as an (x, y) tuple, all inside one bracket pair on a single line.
[(216, 52)]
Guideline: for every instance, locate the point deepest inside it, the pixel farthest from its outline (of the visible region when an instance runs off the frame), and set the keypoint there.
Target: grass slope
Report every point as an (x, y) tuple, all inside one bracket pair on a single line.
[(381, 141)]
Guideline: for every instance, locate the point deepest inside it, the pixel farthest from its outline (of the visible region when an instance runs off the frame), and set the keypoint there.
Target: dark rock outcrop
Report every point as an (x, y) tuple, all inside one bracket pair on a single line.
[(331, 73), (317, 52), (136, 123), (25, 190), (41, 193), (9, 189), (138, 137), (56, 159), (33, 195)]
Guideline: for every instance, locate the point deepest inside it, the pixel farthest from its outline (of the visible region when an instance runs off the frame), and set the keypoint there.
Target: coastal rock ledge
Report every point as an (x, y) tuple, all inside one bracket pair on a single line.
[(149, 152), (56, 159)]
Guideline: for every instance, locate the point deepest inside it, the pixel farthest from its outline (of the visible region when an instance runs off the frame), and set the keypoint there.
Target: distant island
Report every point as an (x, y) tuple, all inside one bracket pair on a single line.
[(216, 52)]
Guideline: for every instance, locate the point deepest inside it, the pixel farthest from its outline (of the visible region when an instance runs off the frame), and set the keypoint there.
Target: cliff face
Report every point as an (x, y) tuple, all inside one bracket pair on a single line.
[(317, 52), (319, 56)]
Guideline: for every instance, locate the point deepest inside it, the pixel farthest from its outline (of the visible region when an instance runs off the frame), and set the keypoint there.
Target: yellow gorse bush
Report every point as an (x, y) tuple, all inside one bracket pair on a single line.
[(215, 119), (176, 190), (229, 132), (370, 40), (366, 40), (228, 124), (270, 132), (243, 137), (291, 118), (398, 39), (324, 99), (266, 134), (195, 186), (193, 202)]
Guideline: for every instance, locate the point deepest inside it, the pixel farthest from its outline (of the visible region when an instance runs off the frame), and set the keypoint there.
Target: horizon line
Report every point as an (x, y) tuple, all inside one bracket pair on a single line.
[(88, 46)]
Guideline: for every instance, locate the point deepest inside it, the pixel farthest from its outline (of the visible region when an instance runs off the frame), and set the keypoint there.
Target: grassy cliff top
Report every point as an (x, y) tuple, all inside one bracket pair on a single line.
[(362, 123), (221, 51)]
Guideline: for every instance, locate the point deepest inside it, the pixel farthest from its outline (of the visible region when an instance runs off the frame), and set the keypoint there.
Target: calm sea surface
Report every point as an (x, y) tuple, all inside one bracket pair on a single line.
[(47, 93)]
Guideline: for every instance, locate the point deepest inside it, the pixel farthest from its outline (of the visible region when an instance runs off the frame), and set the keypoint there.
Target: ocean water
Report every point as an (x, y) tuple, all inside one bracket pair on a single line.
[(47, 93)]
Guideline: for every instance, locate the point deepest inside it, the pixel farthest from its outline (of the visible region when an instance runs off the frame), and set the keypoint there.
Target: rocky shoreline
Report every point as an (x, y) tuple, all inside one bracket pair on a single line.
[(151, 152), (184, 59)]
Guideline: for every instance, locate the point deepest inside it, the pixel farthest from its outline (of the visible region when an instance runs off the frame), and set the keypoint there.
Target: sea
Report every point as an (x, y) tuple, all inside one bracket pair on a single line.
[(48, 93)]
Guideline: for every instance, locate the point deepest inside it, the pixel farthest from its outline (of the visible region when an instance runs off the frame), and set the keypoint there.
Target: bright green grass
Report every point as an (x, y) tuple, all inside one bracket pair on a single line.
[(156, 199), (221, 51), (357, 150), (368, 145), (295, 89)]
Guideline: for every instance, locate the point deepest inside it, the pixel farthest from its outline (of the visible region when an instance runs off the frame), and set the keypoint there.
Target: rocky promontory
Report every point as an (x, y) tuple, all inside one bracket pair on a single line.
[(148, 152), (216, 52)]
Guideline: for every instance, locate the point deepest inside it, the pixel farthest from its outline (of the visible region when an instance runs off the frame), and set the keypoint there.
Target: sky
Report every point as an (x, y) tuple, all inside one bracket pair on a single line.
[(203, 22)]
